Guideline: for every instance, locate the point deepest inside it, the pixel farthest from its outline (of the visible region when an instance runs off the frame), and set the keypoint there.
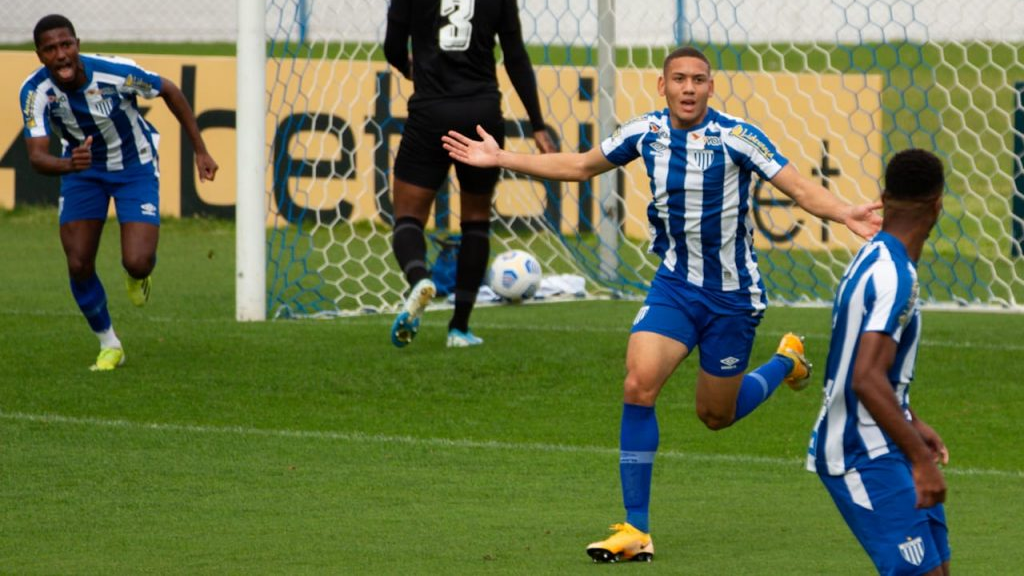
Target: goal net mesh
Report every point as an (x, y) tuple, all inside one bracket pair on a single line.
[(838, 86)]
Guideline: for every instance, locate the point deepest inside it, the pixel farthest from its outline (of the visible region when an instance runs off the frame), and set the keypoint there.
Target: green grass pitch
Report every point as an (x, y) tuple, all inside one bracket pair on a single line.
[(315, 447)]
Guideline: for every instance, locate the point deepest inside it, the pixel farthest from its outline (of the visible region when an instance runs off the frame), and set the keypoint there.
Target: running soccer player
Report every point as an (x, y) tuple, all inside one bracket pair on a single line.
[(876, 457), (708, 292), (109, 151), (456, 87)]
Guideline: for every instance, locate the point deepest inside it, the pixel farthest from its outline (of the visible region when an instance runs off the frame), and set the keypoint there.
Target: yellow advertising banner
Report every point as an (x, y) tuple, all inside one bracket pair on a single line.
[(334, 128)]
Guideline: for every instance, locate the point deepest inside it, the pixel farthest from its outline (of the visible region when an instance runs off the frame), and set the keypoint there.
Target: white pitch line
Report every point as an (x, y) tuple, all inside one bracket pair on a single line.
[(385, 320), (440, 442)]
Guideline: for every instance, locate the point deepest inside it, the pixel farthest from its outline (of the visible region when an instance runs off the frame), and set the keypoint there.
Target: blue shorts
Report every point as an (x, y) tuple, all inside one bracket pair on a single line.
[(136, 192), (679, 311), (899, 538)]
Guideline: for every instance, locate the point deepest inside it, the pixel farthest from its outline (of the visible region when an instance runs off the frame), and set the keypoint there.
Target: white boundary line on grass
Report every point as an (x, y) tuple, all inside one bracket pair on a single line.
[(438, 442), (385, 320)]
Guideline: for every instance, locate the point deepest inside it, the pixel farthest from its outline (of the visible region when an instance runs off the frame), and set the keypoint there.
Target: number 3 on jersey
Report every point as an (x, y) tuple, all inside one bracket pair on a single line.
[(455, 36)]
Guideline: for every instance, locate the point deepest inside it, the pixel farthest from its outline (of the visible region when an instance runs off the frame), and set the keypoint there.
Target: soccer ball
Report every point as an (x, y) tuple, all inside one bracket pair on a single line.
[(514, 275)]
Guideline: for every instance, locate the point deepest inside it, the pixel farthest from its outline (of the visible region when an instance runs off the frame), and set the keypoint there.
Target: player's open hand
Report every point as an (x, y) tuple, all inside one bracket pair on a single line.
[(81, 156), (207, 166), (864, 220), (481, 153)]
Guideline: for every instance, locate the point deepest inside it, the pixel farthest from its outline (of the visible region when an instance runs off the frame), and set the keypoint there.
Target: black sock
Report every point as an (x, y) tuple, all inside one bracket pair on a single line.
[(474, 250), (410, 248)]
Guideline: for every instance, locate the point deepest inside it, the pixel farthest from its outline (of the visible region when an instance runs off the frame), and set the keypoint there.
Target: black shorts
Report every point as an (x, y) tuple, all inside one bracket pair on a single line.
[(422, 161)]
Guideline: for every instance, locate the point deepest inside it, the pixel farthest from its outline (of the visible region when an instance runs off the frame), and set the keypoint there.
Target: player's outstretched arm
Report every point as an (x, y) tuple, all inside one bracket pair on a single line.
[(485, 153), (875, 356), (862, 219), (178, 105)]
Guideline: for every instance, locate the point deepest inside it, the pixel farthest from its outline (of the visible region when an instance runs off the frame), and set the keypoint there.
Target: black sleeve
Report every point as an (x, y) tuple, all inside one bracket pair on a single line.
[(396, 39), (517, 63)]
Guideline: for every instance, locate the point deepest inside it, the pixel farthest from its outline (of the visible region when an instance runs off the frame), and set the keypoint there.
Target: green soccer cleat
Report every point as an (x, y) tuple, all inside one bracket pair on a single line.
[(627, 543), (108, 359), (792, 346), (407, 324), (138, 290), (460, 339)]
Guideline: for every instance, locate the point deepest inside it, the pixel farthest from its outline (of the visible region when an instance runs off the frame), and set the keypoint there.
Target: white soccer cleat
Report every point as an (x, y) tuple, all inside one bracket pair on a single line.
[(407, 324)]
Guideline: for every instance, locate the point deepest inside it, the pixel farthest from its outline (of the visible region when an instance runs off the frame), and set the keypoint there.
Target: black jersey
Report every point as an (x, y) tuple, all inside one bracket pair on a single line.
[(453, 45)]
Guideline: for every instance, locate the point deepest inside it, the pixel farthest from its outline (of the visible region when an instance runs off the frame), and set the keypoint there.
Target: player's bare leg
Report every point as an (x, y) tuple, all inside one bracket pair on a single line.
[(716, 399), (138, 256)]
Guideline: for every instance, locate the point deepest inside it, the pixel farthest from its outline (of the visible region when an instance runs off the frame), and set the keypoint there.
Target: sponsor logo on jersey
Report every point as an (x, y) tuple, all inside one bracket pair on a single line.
[(754, 140), (30, 104), (139, 84), (911, 304), (705, 140), (913, 551)]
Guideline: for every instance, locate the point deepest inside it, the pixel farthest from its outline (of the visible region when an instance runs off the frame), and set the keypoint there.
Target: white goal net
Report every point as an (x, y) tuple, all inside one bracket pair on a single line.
[(838, 87)]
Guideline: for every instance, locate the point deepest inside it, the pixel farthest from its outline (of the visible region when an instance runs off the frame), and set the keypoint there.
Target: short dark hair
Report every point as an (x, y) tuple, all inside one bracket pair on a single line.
[(685, 52), (51, 22), (914, 174)]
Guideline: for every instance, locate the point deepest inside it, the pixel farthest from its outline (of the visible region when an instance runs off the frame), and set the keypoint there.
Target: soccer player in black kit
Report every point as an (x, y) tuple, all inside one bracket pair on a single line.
[(456, 88)]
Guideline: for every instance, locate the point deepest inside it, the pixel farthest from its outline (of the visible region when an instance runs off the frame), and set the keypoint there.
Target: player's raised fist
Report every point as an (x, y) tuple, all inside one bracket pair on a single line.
[(81, 156)]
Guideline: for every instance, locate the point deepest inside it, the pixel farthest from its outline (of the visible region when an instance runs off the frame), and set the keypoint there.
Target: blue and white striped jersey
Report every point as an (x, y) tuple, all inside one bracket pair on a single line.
[(878, 293), (700, 214), (105, 108)]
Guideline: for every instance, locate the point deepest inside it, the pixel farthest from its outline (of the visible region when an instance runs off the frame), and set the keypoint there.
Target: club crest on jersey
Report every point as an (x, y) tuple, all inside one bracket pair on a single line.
[(913, 551), (104, 107), (700, 159), (753, 139)]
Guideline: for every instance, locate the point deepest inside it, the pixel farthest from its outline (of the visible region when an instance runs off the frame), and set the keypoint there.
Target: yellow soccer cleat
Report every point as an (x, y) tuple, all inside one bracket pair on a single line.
[(138, 290), (627, 543), (792, 346), (108, 359)]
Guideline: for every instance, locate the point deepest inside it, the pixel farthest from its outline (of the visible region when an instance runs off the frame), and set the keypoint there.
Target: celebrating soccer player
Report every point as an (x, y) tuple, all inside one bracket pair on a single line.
[(876, 457), (456, 87), (109, 151), (708, 292)]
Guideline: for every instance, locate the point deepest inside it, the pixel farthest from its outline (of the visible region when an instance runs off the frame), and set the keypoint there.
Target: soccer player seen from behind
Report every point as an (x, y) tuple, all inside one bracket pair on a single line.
[(876, 457), (109, 151), (456, 87), (708, 292)]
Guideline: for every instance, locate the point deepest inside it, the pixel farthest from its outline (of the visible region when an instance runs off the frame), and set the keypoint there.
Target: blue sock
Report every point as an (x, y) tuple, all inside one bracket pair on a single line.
[(92, 301), (638, 443), (759, 384)]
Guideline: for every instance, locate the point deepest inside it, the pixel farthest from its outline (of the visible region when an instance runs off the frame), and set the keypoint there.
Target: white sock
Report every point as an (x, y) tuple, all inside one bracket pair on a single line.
[(108, 339)]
